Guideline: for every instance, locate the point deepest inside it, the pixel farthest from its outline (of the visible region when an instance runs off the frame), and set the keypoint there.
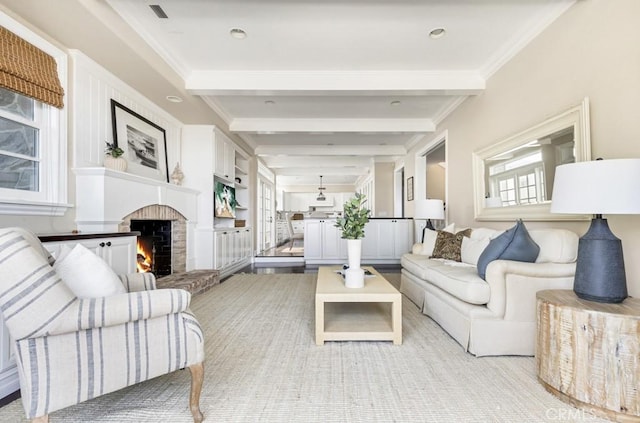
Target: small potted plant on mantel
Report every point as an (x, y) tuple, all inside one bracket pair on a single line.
[(113, 158), (355, 217)]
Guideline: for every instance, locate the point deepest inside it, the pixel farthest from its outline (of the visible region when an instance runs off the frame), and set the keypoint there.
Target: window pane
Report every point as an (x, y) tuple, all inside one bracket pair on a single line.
[(18, 139), (16, 173), (16, 103)]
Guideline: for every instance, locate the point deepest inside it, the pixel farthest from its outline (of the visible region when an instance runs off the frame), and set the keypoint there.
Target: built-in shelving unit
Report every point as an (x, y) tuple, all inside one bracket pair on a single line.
[(242, 186), (208, 156)]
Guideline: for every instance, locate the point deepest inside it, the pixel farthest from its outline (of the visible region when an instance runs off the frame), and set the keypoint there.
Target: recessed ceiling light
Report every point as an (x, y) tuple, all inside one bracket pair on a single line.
[(269, 102), (437, 33), (395, 102), (174, 99), (238, 33)]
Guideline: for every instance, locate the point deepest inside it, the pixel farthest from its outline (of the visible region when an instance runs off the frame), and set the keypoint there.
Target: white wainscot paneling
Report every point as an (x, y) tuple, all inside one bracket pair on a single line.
[(91, 122)]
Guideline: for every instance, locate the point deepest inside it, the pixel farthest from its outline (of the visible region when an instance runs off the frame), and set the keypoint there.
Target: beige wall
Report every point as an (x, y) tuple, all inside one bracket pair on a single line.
[(383, 183), (593, 50)]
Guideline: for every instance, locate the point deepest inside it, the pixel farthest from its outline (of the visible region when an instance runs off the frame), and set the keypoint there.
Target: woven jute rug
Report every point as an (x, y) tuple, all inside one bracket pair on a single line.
[(262, 365)]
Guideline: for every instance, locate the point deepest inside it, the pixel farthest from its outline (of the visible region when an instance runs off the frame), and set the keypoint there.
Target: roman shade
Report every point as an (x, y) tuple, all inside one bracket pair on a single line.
[(26, 69)]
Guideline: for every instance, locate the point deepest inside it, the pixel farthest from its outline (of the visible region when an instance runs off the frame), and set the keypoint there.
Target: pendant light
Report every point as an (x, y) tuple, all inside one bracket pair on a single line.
[(321, 196)]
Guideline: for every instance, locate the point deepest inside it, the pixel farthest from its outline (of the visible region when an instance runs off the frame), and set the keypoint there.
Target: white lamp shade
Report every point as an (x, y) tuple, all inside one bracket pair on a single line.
[(429, 209), (597, 187)]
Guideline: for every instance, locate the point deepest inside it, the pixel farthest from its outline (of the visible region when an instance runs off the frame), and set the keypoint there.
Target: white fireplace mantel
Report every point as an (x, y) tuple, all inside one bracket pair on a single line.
[(105, 196)]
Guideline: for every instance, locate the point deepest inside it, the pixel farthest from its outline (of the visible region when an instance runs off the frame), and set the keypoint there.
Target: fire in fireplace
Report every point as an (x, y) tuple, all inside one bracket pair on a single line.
[(145, 255), (154, 246)]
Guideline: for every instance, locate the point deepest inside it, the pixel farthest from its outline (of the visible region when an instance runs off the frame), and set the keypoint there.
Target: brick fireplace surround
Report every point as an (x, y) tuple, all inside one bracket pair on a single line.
[(178, 231)]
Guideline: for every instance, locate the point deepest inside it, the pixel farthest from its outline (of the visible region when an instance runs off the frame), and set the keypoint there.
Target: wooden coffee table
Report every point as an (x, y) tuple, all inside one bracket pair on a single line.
[(372, 313)]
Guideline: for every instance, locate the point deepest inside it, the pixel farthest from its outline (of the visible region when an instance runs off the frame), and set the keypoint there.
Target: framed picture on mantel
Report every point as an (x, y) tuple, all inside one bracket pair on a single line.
[(410, 188), (144, 143)]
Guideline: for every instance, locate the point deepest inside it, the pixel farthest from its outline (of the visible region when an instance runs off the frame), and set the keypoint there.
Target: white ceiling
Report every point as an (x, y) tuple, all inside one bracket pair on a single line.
[(311, 86)]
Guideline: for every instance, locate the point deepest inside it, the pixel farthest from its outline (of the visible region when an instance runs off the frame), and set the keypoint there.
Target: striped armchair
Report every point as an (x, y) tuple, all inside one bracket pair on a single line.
[(69, 349)]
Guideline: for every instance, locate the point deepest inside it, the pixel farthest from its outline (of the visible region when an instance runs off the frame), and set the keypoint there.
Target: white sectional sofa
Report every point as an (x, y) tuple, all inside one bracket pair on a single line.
[(496, 316)]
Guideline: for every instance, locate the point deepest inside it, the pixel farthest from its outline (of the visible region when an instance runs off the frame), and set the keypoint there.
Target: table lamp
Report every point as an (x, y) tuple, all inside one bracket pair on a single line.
[(598, 187), (429, 209)]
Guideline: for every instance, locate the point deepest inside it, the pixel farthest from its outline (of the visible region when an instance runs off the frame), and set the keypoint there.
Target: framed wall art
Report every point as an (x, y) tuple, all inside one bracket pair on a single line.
[(144, 143), (410, 188)]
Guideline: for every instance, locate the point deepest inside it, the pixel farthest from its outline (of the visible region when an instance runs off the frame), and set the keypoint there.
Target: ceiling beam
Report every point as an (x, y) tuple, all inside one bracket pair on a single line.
[(276, 162), (333, 83), (275, 126), (321, 170), (335, 150)]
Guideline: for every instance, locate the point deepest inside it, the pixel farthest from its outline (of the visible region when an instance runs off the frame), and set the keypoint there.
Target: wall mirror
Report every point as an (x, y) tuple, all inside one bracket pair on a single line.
[(513, 178)]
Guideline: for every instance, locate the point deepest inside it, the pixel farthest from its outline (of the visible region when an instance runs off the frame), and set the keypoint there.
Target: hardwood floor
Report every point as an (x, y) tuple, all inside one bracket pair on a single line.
[(285, 250), (285, 268), (280, 260)]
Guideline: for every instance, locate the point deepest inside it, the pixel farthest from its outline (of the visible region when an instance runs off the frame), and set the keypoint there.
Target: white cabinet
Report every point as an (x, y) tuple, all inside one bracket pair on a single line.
[(323, 242), (232, 249), (385, 241), (297, 226), (225, 155), (403, 237), (119, 252)]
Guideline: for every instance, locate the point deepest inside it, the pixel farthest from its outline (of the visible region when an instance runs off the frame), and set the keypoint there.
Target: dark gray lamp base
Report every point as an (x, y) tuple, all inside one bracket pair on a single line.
[(600, 274), (429, 225)]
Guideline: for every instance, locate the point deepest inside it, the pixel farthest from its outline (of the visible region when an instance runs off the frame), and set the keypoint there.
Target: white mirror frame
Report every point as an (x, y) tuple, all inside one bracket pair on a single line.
[(578, 118)]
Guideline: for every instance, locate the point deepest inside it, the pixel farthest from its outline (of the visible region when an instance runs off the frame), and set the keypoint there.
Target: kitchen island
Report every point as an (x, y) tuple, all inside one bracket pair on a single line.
[(386, 240)]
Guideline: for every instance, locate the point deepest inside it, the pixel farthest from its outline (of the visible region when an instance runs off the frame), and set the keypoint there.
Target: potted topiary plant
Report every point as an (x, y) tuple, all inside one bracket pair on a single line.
[(355, 217), (113, 158)]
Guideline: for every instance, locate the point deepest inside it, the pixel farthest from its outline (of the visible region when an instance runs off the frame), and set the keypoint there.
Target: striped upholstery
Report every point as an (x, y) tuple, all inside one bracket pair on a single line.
[(69, 350)]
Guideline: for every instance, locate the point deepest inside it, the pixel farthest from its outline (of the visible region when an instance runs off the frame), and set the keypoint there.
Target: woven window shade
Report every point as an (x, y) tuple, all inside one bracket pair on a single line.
[(26, 69)]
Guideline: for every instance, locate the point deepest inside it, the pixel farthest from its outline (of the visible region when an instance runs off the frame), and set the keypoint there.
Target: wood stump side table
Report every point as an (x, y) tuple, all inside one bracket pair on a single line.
[(588, 353)]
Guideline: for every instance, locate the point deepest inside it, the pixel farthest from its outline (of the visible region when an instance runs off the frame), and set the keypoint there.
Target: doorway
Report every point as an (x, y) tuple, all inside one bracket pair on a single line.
[(266, 222)]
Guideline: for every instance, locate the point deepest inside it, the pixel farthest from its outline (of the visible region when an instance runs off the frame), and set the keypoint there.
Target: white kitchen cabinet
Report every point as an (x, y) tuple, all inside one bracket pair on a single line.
[(119, 252), (313, 239), (385, 241), (403, 236), (297, 226), (323, 242)]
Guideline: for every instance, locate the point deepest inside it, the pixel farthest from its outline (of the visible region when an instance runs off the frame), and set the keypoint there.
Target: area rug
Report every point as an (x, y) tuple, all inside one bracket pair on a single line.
[(262, 365)]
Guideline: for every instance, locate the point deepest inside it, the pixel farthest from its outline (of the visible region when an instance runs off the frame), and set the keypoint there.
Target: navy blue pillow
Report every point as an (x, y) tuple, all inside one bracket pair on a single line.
[(514, 244)]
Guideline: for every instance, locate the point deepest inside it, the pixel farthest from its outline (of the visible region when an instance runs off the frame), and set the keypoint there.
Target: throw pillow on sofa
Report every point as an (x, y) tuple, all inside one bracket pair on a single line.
[(448, 246), (472, 249), (86, 274), (514, 244), (429, 237)]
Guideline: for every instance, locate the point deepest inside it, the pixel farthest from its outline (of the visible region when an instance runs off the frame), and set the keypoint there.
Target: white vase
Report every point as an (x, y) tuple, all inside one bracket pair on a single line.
[(354, 252), (354, 275), (119, 163)]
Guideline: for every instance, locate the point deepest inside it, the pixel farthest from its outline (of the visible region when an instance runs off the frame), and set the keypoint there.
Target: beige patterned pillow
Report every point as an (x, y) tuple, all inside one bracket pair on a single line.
[(448, 246)]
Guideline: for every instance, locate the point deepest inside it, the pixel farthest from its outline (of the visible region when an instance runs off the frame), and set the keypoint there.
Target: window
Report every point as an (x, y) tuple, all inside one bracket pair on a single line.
[(19, 141), (33, 151), (519, 181)]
